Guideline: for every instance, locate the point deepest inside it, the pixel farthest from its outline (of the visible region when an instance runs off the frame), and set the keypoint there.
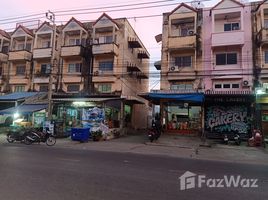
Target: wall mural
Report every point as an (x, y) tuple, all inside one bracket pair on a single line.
[(222, 119)]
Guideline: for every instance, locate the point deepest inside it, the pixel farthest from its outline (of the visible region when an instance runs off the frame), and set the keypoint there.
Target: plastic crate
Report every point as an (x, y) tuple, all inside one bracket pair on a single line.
[(80, 134)]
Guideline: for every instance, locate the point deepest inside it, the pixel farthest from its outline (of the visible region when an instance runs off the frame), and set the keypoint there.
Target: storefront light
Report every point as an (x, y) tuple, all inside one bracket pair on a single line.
[(260, 91), (79, 103), (16, 115)]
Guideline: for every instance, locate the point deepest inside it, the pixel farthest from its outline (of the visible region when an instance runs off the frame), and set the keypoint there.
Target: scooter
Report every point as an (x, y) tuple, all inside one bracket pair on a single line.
[(236, 139), (155, 132), (39, 136), (17, 134)]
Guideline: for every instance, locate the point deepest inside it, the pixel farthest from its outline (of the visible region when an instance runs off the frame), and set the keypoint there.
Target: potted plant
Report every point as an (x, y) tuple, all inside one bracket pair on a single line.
[(96, 135)]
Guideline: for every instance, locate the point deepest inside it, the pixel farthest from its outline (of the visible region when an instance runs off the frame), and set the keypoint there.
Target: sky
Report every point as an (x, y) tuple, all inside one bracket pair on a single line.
[(146, 21)]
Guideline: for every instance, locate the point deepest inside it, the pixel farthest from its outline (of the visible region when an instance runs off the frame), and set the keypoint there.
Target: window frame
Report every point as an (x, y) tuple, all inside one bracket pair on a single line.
[(19, 71), (225, 61), (107, 86), (180, 61), (74, 68), (73, 85), (106, 67)]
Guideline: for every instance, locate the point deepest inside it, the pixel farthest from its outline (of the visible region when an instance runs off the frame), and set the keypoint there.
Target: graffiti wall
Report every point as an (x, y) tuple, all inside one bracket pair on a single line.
[(227, 119)]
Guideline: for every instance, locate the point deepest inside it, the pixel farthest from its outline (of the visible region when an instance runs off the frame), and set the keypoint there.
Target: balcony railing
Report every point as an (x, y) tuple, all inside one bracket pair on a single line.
[(3, 57), (42, 53), (228, 38), (77, 50), (20, 55), (187, 42), (110, 48)]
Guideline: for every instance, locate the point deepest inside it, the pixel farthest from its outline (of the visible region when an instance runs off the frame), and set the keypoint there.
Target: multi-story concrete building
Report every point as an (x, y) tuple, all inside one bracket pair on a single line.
[(4, 46), (228, 68), (20, 59), (260, 53), (179, 96), (99, 62)]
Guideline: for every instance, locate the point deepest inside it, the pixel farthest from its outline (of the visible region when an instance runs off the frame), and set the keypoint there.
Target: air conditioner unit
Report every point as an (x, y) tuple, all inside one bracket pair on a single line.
[(190, 32), (245, 83), (172, 68)]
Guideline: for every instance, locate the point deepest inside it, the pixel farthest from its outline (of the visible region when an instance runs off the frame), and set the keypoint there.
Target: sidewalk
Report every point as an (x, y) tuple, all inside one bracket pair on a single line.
[(170, 145)]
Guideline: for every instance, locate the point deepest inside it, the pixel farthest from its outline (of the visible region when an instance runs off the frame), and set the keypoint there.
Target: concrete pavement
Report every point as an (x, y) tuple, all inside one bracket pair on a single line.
[(171, 145)]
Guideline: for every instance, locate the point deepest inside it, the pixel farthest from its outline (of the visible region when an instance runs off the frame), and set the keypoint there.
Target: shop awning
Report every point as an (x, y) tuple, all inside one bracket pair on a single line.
[(24, 109), (87, 99), (156, 97)]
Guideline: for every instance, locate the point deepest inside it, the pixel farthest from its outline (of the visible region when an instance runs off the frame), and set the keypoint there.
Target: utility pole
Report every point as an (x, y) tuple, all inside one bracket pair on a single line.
[(51, 17)]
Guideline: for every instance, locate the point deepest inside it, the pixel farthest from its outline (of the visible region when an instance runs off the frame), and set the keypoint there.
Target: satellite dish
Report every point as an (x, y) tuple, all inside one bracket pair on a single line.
[(197, 4)]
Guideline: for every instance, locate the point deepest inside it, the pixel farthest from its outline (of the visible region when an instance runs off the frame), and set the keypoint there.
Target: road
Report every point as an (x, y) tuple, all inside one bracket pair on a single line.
[(53, 173)]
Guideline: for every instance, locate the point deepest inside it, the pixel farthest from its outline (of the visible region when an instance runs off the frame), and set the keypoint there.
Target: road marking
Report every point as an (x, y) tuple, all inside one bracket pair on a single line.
[(70, 160)]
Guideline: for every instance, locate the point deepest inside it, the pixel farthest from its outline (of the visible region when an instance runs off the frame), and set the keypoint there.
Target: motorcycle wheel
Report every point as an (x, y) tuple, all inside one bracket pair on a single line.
[(10, 139), (51, 141), (27, 141)]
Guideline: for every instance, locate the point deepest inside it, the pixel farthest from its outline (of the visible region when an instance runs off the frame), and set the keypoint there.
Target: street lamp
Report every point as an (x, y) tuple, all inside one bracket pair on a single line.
[(51, 17)]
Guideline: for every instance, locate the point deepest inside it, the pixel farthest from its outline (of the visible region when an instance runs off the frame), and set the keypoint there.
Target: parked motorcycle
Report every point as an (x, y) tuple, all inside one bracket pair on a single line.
[(39, 136), (17, 134), (236, 139)]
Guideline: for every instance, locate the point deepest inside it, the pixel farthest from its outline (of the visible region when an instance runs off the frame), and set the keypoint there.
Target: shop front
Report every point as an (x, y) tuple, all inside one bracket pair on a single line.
[(180, 113), (83, 112), (228, 114)]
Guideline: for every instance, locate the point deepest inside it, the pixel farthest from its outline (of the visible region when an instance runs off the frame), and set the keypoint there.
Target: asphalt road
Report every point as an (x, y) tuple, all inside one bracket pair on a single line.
[(38, 172)]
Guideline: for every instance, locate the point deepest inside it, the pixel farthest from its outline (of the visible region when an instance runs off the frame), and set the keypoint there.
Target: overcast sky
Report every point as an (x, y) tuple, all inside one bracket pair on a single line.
[(146, 27)]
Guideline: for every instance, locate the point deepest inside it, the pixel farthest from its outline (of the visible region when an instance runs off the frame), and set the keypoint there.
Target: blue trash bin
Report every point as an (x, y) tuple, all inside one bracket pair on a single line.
[(80, 134)]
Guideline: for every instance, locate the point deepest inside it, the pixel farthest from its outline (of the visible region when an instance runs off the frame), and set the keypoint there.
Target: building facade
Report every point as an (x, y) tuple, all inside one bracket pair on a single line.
[(228, 69), (102, 61)]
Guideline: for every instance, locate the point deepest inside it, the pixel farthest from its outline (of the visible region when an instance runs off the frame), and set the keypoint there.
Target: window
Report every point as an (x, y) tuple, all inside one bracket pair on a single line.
[(43, 88), (20, 47), (226, 59), (235, 85), (45, 68), (74, 42), (46, 44), (5, 49), (74, 68), (73, 88), (28, 46), (105, 88), (226, 85), (19, 88), (217, 86), (184, 61), (266, 57), (106, 39), (231, 26), (20, 70), (265, 23), (181, 86), (106, 66)]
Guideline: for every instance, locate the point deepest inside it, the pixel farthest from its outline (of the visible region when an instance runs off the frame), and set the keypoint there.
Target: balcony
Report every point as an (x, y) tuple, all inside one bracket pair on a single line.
[(72, 51), (3, 57), (41, 79), (102, 78), (228, 38), (185, 75), (110, 48), (20, 55), (187, 42), (19, 80), (262, 36), (42, 53), (72, 79)]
